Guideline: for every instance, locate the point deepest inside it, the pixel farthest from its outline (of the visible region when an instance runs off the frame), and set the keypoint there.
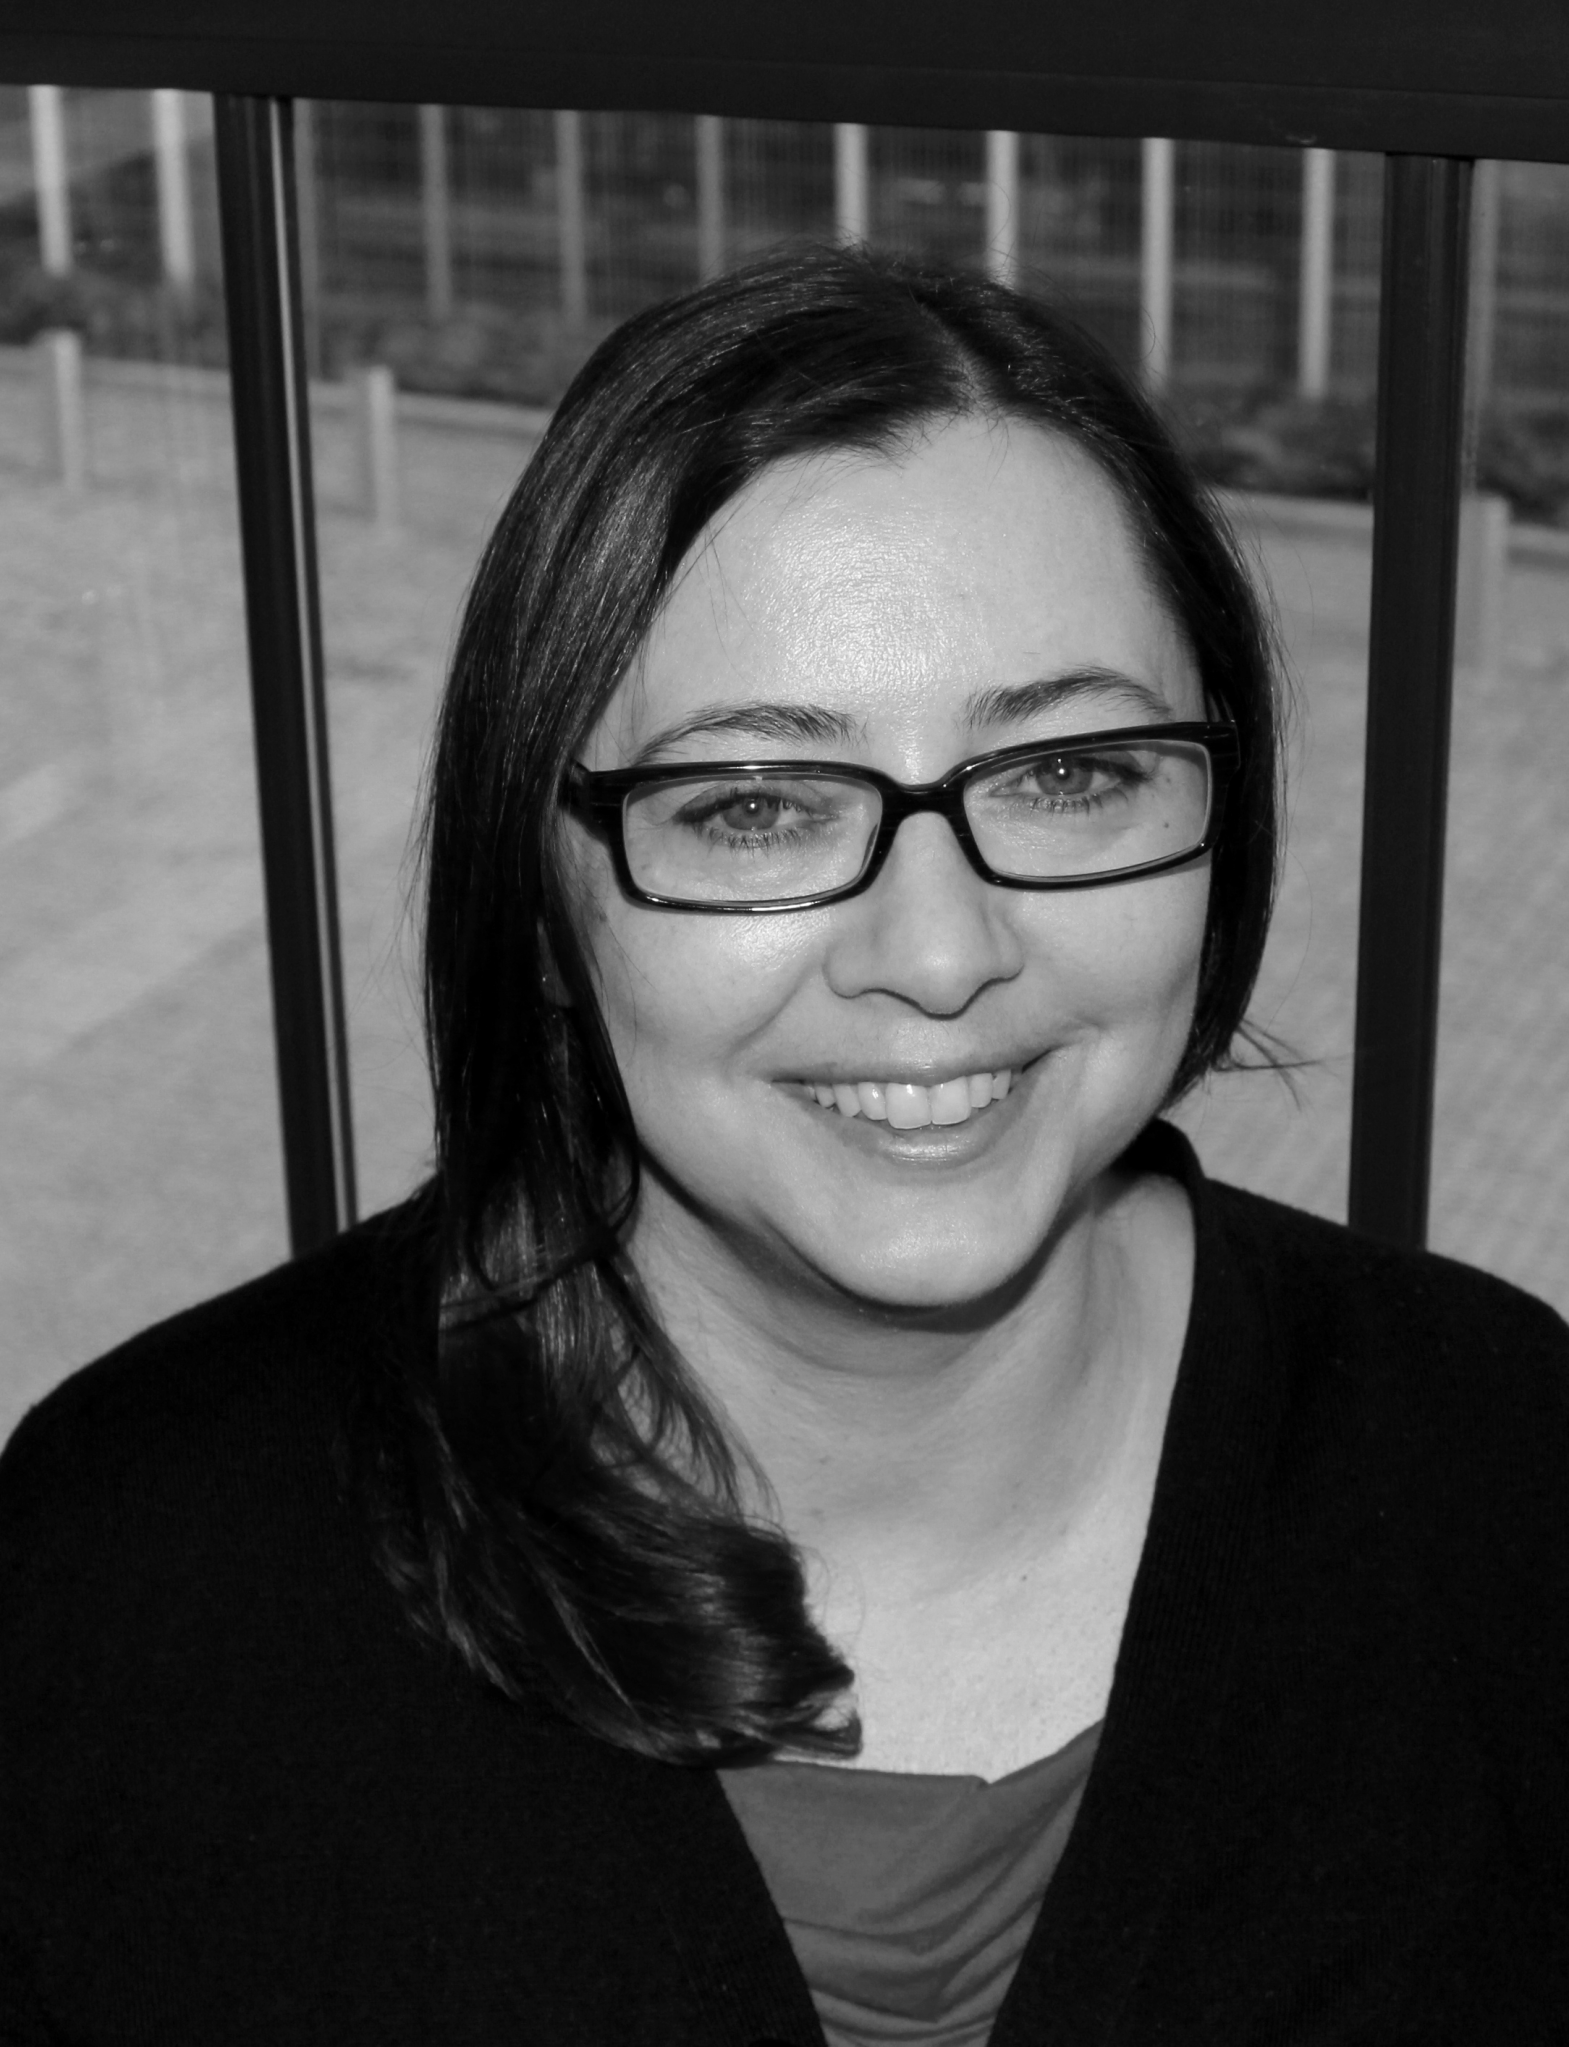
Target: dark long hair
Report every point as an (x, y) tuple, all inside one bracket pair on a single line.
[(570, 1516)]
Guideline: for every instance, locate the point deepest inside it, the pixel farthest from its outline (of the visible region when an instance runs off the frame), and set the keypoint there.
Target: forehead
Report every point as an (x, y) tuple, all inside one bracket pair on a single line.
[(891, 589)]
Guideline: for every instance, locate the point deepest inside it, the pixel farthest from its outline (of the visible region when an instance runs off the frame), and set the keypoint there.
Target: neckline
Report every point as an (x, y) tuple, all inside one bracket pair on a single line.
[(1164, 1777), (1162, 1149), (1038, 1766)]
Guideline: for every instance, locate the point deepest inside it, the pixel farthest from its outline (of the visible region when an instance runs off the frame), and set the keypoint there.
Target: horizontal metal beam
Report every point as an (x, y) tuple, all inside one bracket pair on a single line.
[(1419, 76), (288, 699), (1416, 515)]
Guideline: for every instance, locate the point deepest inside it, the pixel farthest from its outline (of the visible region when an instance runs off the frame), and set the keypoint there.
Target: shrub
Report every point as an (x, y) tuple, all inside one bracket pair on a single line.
[(115, 316), (1326, 448), (1301, 447)]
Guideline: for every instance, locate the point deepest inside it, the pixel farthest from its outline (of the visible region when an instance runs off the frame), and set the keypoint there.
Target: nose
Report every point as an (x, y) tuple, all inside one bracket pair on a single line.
[(929, 930)]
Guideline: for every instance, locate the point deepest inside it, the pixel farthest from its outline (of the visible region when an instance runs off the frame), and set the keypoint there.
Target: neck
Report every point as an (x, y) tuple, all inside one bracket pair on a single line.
[(927, 1450)]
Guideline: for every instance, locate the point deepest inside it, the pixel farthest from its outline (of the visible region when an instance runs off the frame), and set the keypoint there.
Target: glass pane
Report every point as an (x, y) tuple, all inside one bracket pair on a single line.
[(139, 1167), (462, 261), (777, 185), (929, 193), (1273, 378), (1080, 211), (1501, 1162), (1290, 1136)]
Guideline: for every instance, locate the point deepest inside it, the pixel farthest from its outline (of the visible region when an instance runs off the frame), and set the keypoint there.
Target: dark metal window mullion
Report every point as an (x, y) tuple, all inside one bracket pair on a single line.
[(283, 621), (1421, 393)]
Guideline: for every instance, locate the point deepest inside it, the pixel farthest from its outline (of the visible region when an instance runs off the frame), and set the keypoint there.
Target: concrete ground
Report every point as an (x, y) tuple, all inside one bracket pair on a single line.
[(139, 1162)]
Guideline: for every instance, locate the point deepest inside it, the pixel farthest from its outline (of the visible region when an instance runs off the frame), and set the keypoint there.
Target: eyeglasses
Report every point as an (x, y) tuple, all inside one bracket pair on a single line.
[(754, 837)]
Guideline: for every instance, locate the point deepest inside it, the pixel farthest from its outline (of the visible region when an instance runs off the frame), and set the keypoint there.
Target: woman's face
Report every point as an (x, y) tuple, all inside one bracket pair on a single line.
[(905, 613)]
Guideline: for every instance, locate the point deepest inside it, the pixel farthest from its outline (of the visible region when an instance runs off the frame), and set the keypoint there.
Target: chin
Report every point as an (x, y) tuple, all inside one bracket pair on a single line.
[(929, 1280)]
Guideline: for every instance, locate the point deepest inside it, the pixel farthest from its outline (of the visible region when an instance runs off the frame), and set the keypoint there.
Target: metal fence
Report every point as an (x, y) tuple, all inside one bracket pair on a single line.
[(1226, 270)]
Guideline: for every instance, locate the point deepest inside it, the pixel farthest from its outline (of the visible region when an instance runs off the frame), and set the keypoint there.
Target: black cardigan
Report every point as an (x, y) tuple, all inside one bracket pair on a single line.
[(241, 1803)]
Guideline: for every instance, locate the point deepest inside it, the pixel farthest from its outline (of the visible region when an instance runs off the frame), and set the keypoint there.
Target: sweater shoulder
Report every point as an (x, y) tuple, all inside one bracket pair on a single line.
[(239, 1398), (1459, 1358), (1314, 1258)]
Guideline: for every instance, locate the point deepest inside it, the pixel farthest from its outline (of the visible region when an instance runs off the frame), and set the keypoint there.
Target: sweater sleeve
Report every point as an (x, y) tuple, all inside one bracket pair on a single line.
[(1452, 1391), (22, 2022), (1506, 1531), (169, 1531)]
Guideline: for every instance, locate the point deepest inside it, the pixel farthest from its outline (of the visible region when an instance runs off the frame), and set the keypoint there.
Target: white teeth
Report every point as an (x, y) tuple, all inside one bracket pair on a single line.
[(909, 1105), (906, 1105), (951, 1102)]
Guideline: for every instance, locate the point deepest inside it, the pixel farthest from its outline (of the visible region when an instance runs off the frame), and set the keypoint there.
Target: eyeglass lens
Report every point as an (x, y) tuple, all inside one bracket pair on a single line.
[(1056, 815)]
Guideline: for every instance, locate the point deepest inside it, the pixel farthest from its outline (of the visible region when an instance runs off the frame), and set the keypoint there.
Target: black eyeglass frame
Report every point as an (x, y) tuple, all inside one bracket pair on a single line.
[(601, 795)]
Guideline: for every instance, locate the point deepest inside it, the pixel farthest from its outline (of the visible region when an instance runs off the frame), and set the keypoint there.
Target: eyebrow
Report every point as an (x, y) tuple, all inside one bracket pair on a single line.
[(1011, 704), (814, 724), (811, 723)]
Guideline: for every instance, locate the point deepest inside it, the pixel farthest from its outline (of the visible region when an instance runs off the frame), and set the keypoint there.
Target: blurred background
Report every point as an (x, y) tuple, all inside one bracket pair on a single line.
[(459, 263)]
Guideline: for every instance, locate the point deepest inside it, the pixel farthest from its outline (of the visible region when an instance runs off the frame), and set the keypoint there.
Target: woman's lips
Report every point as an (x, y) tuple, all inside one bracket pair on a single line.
[(919, 1113), (912, 1105)]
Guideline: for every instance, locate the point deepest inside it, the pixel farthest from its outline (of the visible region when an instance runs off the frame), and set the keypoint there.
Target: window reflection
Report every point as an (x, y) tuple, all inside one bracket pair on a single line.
[(459, 263), (139, 1167)]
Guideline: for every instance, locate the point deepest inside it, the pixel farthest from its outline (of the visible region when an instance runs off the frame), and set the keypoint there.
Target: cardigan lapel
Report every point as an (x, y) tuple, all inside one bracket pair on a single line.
[(1156, 1796), (715, 1906)]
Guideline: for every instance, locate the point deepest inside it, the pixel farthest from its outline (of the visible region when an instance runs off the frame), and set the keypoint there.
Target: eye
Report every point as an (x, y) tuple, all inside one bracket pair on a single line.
[(1057, 778), (747, 812), (1063, 774), (758, 811)]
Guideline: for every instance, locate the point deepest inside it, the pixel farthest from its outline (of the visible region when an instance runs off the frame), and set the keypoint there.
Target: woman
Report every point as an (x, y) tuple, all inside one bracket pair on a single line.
[(819, 1521)]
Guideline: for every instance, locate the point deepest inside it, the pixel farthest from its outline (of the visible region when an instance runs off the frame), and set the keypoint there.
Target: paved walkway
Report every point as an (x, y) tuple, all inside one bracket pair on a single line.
[(139, 1167)]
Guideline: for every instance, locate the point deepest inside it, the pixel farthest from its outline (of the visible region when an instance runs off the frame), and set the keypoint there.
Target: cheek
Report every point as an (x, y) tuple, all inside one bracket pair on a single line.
[(686, 996), (1128, 958)]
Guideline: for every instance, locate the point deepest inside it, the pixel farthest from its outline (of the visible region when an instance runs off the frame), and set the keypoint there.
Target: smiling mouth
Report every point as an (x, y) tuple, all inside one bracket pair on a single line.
[(906, 1105)]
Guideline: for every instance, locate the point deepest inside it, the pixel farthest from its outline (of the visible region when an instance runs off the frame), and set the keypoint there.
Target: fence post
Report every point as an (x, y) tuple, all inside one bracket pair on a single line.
[(1002, 204), (435, 211), (1416, 499), (709, 141), (852, 183), (61, 408), (376, 436), (1316, 299), (51, 180), (571, 218), (176, 241), (1156, 285)]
